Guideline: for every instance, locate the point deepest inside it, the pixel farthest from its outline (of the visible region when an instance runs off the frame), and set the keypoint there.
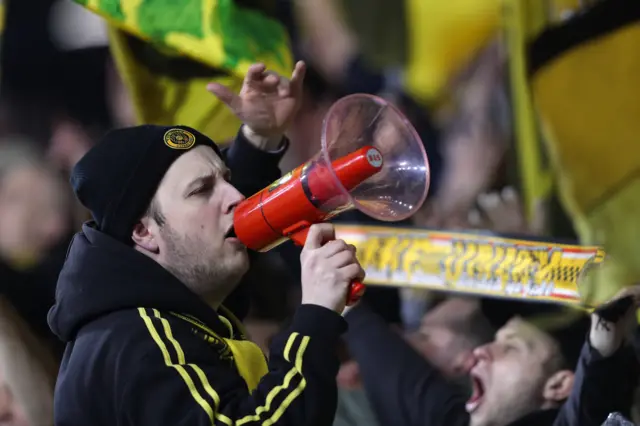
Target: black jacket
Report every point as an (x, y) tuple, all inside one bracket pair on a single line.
[(422, 397), (144, 350)]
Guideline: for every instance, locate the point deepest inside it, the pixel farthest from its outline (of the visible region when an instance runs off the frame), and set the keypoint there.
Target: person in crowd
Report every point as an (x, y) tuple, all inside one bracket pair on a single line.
[(446, 338), (35, 229), (140, 298), (448, 334), (33, 207), (530, 374), (27, 372)]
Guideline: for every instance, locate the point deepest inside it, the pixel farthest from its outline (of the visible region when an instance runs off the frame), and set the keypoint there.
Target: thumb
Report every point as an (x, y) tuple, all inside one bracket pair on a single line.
[(224, 94), (319, 234), (297, 79)]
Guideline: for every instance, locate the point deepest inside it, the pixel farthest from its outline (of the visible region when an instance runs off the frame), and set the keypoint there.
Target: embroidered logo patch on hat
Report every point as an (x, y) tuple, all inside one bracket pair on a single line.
[(179, 139)]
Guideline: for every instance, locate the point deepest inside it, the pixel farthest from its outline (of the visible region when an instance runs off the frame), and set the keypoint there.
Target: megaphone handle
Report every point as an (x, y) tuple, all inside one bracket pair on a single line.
[(356, 288)]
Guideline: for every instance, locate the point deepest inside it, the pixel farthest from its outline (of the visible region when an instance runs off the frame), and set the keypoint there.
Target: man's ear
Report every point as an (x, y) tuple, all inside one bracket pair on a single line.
[(558, 386), (143, 237)]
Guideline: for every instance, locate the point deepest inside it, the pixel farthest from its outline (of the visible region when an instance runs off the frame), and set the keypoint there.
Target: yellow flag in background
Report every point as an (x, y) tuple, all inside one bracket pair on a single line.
[(585, 83), (167, 51), (522, 22), (443, 36), (167, 89)]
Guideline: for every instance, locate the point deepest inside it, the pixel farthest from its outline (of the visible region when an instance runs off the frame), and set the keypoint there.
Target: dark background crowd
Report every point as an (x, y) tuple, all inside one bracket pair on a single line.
[(60, 91)]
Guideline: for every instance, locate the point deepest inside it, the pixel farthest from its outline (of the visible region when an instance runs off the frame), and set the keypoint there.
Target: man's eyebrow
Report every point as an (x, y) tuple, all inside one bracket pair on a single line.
[(209, 177), (200, 180), (506, 335), (511, 335)]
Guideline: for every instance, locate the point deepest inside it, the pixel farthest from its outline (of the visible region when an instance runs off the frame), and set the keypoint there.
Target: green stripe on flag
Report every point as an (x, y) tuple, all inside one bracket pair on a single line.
[(219, 33)]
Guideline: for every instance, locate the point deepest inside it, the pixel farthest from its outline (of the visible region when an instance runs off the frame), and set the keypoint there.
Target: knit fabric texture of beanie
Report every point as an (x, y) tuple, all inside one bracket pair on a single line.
[(117, 179)]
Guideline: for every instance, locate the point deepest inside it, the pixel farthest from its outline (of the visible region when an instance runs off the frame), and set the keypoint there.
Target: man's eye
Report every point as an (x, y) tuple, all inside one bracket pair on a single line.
[(202, 190), (510, 348)]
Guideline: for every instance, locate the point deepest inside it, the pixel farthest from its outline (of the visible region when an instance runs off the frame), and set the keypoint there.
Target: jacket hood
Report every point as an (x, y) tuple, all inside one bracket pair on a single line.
[(102, 275)]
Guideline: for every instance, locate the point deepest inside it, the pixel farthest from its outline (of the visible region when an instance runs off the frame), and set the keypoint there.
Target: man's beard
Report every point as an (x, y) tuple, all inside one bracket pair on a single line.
[(186, 258)]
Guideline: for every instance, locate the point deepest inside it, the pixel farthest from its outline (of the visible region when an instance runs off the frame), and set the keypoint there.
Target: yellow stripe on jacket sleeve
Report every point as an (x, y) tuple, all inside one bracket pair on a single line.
[(278, 411), (169, 363), (297, 391)]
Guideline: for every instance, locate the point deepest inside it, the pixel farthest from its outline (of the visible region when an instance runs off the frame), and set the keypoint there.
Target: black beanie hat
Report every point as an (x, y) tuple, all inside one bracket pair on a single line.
[(117, 179)]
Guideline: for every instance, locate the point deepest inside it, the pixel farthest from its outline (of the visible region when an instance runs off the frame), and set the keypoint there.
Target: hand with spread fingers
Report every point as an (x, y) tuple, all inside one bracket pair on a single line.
[(612, 324), (267, 102)]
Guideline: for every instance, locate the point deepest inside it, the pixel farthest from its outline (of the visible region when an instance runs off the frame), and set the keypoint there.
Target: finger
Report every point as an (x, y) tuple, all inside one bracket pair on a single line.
[(224, 94), (297, 79), (284, 87), (342, 259), (362, 275), (334, 247), (489, 203), (352, 272), (475, 218), (255, 73), (510, 196), (271, 81), (510, 205), (318, 234)]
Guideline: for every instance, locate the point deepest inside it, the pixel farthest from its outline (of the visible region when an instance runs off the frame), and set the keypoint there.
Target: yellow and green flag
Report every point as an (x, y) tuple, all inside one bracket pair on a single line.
[(167, 51)]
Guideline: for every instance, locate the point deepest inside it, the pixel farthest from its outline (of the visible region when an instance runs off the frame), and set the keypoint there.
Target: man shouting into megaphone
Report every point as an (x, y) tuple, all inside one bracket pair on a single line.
[(140, 300)]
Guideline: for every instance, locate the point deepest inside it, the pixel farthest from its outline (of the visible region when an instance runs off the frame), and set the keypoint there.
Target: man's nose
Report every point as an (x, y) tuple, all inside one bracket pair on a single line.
[(234, 197), (463, 363), (482, 353)]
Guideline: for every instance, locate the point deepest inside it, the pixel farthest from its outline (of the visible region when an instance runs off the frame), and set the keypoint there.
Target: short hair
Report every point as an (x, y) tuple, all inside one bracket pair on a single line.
[(471, 324), (569, 330), (568, 326), (475, 328)]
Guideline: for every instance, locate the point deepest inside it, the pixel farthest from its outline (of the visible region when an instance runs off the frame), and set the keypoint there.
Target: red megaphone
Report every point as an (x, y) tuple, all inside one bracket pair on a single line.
[(371, 159)]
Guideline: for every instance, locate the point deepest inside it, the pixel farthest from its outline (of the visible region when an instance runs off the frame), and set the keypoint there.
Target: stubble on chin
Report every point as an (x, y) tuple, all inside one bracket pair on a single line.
[(212, 276)]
